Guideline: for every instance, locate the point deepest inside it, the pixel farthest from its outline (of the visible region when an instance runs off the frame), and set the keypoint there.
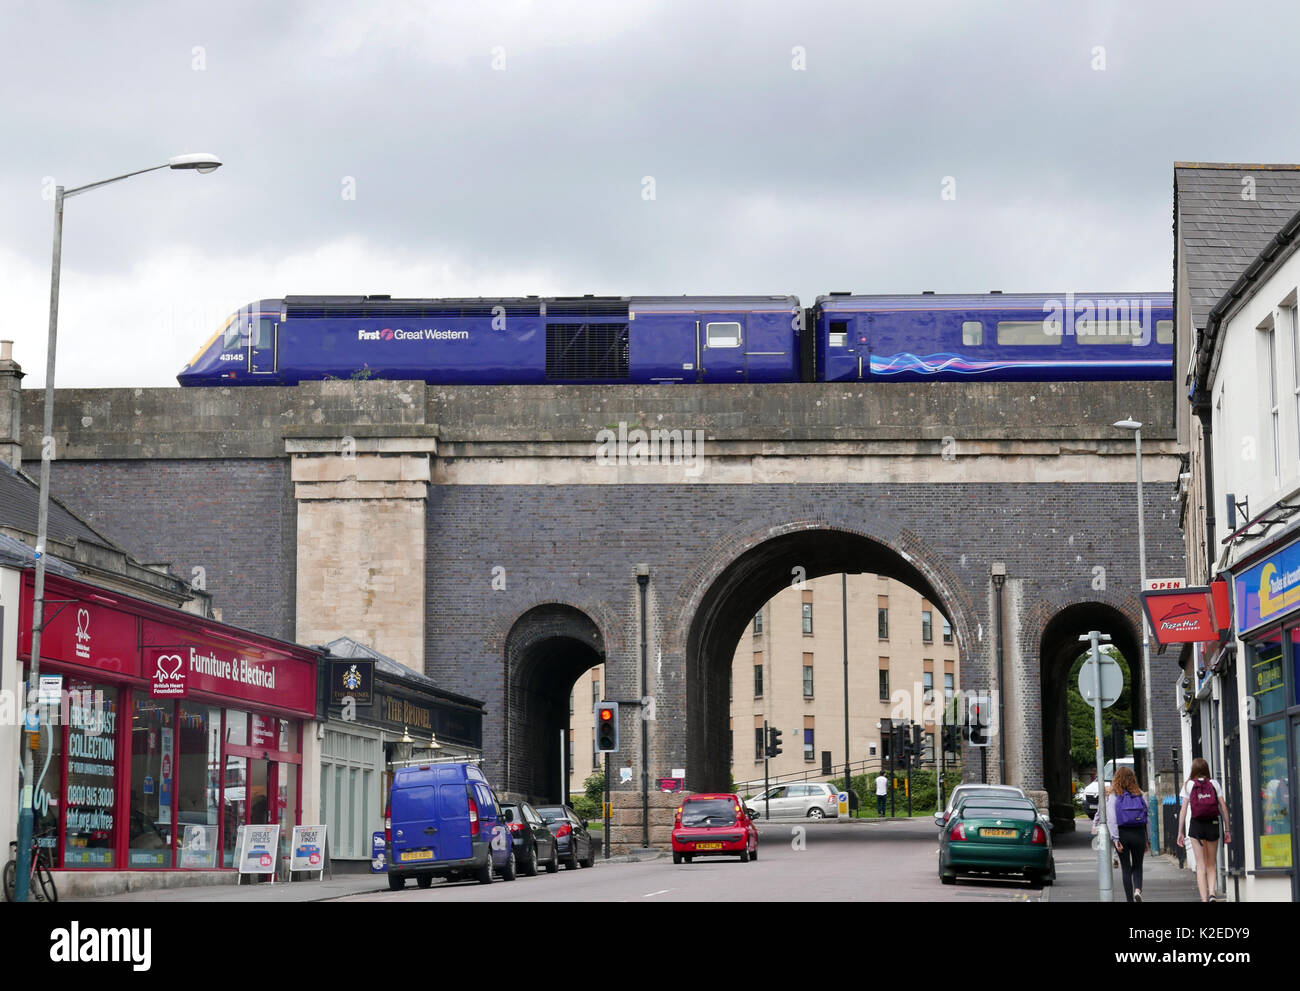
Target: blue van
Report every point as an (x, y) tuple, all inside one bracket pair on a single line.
[(445, 821)]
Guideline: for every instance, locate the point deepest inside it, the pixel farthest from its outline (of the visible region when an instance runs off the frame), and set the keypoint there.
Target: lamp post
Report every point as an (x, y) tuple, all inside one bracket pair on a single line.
[(201, 162), (1136, 427)]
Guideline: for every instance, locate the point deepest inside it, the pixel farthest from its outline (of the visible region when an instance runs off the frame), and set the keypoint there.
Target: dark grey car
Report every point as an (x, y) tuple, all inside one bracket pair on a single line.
[(570, 829), (535, 845)]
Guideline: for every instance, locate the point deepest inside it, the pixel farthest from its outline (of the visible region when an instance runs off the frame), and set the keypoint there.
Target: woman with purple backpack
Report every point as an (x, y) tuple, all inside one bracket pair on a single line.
[(1203, 802), (1126, 808)]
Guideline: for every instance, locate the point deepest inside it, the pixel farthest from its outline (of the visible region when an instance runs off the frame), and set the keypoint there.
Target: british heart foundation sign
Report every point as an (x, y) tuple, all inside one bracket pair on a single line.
[(166, 673), (1181, 615)]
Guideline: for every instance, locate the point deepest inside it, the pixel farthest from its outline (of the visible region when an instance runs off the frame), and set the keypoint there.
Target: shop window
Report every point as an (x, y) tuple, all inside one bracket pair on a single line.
[(237, 728), (1267, 683), (198, 785), (153, 781), (90, 826), (1273, 832), (236, 800)]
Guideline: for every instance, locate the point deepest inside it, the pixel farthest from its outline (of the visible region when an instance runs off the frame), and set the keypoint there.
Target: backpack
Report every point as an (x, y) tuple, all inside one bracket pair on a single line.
[(1204, 800), (1130, 810)]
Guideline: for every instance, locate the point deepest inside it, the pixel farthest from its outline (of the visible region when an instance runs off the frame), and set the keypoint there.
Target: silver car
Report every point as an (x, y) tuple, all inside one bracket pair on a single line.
[(804, 800), (1010, 791)]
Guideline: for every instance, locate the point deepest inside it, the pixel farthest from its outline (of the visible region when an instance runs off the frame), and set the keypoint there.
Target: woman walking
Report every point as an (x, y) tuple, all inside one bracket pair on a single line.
[(1126, 807), (1203, 806)]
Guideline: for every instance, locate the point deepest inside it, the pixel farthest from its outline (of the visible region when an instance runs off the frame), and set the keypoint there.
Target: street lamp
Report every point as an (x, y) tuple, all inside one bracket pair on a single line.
[(200, 162), (1136, 427)]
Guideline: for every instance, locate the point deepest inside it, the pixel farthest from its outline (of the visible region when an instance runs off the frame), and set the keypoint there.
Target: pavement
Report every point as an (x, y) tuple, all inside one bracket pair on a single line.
[(1077, 880)]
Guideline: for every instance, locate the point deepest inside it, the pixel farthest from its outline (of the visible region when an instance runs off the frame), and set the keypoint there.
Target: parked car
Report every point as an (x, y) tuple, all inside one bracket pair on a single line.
[(996, 836), (962, 792), (803, 800), (1088, 793), (570, 829), (714, 825), (534, 843), (445, 821)]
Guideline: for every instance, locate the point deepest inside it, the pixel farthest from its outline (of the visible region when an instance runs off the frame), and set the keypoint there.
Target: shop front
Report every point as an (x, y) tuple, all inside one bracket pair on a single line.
[(1267, 612), (160, 733)]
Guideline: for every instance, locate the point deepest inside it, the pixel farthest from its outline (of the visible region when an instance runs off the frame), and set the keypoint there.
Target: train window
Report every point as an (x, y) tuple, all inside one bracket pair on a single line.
[(262, 333), (1029, 332), (723, 335), (231, 339), (1110, 332), (972, 333), (1164, 332), (839, 333)]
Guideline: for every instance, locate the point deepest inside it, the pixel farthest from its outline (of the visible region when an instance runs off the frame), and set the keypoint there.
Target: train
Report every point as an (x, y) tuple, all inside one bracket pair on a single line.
[(678, 340)]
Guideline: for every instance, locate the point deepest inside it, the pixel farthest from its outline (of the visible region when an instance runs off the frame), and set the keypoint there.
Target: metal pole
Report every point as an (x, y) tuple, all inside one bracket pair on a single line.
[(1153, 807), (1002, 734), (606, 839), (26, 812), (943, 751), (848, 769), (642, 581), (893, 768), (767, 801), (910, 761), (1104, 881)]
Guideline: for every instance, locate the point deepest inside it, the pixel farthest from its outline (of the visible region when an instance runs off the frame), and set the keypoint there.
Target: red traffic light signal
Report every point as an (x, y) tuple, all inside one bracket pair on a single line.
[(607, 727)]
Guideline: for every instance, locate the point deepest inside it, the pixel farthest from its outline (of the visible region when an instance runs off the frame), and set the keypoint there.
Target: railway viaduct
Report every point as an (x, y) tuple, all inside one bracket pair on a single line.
[(492, 536)]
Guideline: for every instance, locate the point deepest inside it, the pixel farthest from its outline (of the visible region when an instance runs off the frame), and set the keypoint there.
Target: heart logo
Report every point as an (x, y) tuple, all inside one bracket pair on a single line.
[(174, 674), (83, 624)]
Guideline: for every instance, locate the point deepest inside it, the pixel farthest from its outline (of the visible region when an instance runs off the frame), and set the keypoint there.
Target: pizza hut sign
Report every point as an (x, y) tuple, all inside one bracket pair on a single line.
[(166, 674), (1190, 615)]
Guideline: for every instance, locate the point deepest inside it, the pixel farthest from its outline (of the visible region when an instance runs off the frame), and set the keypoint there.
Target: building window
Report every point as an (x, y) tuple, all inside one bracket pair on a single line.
[(809, 753), (570, 703), (758, 623), (807, 619), (595, 691), (882, 622), (884, 684), (947, 686), (807, 681), (1270, 343), (760, 749), (1292, 327), (927, 686), (927, 625), (947, 630), (927, 754), (758, 681)]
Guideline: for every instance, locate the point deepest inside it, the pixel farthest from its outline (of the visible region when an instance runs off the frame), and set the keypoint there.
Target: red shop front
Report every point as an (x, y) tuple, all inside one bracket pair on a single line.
[(171, 731)]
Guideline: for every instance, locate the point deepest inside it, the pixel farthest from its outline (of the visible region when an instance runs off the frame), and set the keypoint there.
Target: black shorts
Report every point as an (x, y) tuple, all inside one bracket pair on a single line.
[(1203, 829)]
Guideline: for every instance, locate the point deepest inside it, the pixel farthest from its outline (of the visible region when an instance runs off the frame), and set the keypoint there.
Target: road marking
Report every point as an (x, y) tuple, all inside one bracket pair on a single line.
[(653, 893)]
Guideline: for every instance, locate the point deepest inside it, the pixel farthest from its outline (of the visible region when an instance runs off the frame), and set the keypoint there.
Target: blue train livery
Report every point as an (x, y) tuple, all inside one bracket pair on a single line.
[(529, 340), (1026, 337)]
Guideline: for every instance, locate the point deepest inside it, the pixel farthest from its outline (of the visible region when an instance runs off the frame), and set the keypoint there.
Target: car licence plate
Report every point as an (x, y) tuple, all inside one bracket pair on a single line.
[(1007, 833), (708, 846), (417, 855)]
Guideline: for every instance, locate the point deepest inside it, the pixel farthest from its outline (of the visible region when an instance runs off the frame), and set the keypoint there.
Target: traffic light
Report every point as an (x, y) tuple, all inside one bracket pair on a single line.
[(918, 745), (773, 742), (902, 745), (951, 738), (978, 715), (607, 727)]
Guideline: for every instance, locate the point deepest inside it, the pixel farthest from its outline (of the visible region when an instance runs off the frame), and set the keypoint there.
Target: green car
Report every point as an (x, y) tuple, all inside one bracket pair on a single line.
[(996, 836)]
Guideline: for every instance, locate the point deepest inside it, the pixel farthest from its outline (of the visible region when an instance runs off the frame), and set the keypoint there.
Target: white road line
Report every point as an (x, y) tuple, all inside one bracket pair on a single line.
[(653, 893)]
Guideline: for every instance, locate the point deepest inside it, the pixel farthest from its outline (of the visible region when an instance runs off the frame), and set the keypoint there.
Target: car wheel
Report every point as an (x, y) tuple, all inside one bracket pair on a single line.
[(396, 882), (572, 863), (754, 855), (948, 878), (508, 871), (554, 866), (744, 855), (591, 857), (816, 813), (424, 881), (486, 874), (531, 868), (677, 857)]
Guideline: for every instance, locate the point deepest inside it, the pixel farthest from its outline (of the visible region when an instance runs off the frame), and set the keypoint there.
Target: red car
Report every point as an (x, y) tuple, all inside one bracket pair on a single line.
[(714, 826)]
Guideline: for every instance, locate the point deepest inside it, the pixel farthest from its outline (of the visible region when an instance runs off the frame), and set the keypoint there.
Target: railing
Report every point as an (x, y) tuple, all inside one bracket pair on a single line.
[(874, 765)]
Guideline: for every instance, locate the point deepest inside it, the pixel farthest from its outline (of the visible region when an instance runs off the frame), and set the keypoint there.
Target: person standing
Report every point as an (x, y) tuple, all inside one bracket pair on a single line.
[(1126, 808), (882, 792), (1202, 809)]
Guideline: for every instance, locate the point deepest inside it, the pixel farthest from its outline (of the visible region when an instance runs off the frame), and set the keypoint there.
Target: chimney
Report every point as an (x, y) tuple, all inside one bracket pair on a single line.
[(11, 407)]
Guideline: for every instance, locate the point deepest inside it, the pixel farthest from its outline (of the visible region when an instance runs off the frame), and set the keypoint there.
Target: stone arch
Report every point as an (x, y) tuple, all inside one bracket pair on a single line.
[(547, 648), (743, 572)]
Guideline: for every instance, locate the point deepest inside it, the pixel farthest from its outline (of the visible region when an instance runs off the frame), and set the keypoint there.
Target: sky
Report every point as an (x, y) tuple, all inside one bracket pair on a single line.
[(507, 147)]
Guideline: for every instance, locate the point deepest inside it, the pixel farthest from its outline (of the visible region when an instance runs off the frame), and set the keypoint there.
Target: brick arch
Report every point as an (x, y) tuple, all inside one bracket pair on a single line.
[(741, 572), (1049, 632), (546, 649)]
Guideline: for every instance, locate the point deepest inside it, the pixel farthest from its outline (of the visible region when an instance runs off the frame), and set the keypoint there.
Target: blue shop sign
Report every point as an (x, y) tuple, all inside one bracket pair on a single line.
[(1269, 590)]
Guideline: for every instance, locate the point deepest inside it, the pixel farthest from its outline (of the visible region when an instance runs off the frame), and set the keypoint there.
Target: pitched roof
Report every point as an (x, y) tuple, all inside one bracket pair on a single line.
[(19, 505), (1220, 229)]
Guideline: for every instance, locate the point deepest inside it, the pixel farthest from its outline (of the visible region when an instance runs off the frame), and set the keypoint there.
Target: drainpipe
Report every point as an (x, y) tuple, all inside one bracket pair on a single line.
[(999, 575), (642, 580), (1204, 412)]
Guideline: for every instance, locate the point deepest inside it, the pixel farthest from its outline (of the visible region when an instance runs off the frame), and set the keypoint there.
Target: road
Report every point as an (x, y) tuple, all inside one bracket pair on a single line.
[(836, 861)]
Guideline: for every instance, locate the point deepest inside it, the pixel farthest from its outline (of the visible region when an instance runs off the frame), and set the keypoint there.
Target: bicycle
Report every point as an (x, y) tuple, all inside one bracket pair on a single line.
[(41, 884)]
